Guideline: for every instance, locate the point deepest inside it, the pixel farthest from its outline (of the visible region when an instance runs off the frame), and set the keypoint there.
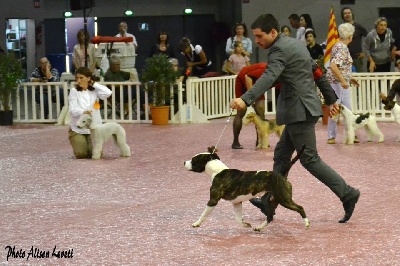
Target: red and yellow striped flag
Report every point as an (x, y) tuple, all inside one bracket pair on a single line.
[(333, 37)]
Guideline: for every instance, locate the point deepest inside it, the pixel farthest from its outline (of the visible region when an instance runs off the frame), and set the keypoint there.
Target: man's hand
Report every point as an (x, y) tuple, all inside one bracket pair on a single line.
[(333, 109), (238, 104)]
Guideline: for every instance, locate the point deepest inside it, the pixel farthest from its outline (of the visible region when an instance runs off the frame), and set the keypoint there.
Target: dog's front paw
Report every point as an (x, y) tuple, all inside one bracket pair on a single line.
[(307, 223), (196, 224)]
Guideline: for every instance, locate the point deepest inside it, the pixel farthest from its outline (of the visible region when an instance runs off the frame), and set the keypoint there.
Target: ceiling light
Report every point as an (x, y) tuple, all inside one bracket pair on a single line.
[(188, 10), (67, 14), (128, 12)]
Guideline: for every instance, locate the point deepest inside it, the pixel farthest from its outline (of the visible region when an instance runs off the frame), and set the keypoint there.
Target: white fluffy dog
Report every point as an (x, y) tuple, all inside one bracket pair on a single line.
[(102, 133), (352, 122)]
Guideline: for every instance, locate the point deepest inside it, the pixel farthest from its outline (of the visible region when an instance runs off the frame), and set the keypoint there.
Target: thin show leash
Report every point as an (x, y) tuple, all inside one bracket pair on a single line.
[(227, 121)]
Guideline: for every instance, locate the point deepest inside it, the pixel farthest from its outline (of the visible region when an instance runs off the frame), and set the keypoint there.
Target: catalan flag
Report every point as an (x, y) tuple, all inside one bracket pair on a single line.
[(333, 37)]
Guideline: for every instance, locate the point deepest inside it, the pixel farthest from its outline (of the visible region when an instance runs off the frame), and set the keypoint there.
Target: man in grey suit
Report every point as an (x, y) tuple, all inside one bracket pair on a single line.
[(298, 107)]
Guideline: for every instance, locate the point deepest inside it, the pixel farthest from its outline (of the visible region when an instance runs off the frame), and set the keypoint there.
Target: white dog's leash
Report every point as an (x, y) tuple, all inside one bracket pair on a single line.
[(227, 121)]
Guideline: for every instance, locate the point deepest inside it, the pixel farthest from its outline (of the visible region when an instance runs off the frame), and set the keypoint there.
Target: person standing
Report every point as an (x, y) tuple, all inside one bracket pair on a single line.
[(339, 74), (162, 46), (123, 32), (239, 34), (244, 81), (355, 47), (84, 99), (298, 108), (294, 21), (306, 23), (78, 56), (379, 47)]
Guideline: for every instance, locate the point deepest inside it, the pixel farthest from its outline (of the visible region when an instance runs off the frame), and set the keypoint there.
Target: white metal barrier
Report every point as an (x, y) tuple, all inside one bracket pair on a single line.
[(206, 98), (29, 104)]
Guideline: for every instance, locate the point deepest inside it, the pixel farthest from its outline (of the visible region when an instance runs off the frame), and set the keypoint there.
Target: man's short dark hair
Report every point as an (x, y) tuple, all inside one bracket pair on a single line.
[(294, 17), (266, 23)]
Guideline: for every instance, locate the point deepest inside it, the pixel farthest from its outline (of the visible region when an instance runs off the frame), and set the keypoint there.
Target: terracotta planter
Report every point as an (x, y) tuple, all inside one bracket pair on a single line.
[(325, 110), (160, 115)]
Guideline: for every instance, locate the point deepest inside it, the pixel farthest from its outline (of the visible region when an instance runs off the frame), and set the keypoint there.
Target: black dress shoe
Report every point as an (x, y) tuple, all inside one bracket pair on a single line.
[(237, 146), (261, 204), (349, 206)]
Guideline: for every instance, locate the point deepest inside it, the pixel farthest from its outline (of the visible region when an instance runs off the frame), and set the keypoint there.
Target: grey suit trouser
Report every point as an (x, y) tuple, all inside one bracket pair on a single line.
[(296, 135)]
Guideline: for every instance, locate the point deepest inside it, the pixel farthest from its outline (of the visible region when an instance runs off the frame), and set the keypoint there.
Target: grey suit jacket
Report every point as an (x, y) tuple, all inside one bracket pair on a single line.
[(290, 64)]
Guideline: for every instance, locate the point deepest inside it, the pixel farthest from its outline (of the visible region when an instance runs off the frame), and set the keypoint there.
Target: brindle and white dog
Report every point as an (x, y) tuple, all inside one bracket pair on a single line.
[(264, 129), (237, 186), (393, 107), (356, 121)]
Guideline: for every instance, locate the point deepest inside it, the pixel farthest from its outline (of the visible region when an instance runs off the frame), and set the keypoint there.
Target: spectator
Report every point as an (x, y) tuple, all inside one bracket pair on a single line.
[(306, 23), (237, 60), (197, 63), (294, 20), (379, 48), (298, 108), (316, 51), (355, 47), (162, 46), (239, 34), (286, 30), (78, 56), (46, 73), (339, 75), (82, 100), (114, 73), (123, 32), (244, 81)]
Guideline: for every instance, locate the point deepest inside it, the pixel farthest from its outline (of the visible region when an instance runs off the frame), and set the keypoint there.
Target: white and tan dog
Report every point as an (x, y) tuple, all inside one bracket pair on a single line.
[(264, 129), (237, 186), (100, 134), (393, 107), (352, 122)]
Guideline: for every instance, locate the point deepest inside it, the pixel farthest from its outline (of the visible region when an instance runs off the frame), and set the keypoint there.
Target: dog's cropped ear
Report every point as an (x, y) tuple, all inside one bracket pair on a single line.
[(389, 106), (212, 149)]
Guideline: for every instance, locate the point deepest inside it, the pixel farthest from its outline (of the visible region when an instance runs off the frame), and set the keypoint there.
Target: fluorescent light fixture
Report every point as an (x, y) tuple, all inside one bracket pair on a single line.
[(67, 14), (128, 12), (188, 10)]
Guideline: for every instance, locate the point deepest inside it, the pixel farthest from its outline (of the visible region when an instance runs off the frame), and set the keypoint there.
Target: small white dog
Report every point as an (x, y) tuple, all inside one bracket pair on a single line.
[(102, 133), (352, 122)]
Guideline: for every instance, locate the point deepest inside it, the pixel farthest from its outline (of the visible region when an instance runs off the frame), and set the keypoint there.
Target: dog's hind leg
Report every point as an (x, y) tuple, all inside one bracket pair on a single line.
[(120, 141), (295, 207), (237, 207), (203, 216)]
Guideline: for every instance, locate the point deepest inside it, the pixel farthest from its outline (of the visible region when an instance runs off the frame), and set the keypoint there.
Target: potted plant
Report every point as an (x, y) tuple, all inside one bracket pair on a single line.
[(157, 75), (10, 73)]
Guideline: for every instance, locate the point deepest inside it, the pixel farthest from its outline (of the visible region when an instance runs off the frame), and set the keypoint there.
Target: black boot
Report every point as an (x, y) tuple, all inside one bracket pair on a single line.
[(262, 203), (349, 206)]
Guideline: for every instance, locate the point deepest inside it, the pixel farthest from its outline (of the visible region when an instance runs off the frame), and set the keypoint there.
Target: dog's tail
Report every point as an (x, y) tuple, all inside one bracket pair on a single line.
[(294, 160)]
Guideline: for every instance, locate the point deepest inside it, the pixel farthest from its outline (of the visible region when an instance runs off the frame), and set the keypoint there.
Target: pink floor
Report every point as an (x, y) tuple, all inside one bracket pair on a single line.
[(139, 210)]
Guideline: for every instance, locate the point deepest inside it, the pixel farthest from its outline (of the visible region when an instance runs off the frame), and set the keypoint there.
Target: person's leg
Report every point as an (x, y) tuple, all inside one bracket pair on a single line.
[(237, 127), (81, 145), (259, 108), (303, 133), (332, 123)]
